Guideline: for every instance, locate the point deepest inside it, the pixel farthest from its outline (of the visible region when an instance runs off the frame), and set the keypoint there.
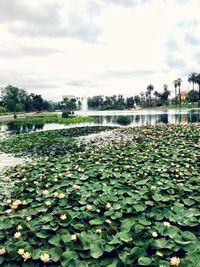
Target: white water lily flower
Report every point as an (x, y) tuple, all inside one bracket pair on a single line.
[(48, 203), (19, 227), (8, 201), (108, 221), (74, 237), (88, 207), (21, 251), (2, 251), (98, 231), (9, 211), (76, 187), (154, 234), (175, 261), (153, 187), (55, 194), (108, 206), (26, 256), (63, 217), (45, 257), (61, 195), (45, 192), (28, 218), (167, 224), (17, 235)]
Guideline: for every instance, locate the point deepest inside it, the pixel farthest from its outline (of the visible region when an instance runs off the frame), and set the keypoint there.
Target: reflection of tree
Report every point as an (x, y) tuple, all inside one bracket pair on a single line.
[(184, 119), (24, 128), (163, 118), (137, 118)]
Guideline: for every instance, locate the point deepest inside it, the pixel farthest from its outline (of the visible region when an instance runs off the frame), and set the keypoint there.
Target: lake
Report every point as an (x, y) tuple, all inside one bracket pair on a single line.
[(109, 118)]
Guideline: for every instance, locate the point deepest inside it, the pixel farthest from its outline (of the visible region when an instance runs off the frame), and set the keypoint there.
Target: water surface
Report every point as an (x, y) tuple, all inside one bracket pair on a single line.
[(109, 118)]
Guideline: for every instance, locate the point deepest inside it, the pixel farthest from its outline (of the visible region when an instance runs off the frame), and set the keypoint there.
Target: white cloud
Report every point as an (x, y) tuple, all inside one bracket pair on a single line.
[(97, 46)]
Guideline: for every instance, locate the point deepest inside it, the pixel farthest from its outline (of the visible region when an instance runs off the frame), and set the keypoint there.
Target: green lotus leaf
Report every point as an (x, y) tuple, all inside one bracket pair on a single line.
[(144, 261)]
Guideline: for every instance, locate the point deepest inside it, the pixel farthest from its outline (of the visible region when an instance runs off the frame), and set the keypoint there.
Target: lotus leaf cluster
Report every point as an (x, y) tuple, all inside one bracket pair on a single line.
[(57, 142), (127, 203)]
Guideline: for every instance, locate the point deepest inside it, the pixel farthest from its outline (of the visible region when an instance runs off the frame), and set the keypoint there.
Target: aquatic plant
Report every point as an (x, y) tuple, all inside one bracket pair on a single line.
[(131, 203)]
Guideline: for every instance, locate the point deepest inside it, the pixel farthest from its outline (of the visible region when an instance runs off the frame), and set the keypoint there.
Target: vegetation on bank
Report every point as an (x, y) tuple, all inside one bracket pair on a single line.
[(184, 105), (128, 203), (14, 99), (51, 119)]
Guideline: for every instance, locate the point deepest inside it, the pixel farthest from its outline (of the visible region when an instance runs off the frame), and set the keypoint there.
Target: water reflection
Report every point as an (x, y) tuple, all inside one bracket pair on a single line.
[(165, 117), (26, 128), (193, 116)]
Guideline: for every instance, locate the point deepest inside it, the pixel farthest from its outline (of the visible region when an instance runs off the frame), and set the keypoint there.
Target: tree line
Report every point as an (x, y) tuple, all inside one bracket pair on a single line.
[(149, 98), (14, 99)]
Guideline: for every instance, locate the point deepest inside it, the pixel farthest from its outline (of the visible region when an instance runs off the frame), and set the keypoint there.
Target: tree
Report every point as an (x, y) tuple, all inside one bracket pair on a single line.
[(179, 81), (37, 102), (69, 104), (156, 94), (130, 102), (192, 96), (150, 88), (165, 95), (192, 78), (198, 82), (175, 87), (13, 98)]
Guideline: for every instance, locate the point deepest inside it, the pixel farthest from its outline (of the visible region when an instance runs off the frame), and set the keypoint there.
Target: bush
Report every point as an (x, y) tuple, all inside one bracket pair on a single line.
[(123, 120), (2, 110), (65, 114)]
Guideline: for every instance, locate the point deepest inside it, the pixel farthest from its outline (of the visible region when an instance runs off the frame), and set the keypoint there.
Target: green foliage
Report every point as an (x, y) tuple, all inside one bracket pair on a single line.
[(16, 100), (110, 102), (65, 114), (51, 119), (57, 142), (123, 120), (192, 96), (69, 104), (2, 110), (151, 185)]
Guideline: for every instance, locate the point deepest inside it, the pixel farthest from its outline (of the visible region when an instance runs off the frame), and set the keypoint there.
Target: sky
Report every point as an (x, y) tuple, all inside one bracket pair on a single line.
[(93, 47)]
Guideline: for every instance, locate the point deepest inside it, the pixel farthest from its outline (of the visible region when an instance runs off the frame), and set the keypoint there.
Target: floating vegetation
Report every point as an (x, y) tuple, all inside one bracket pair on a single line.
[(57, 142), (124, 120), (130, 203)]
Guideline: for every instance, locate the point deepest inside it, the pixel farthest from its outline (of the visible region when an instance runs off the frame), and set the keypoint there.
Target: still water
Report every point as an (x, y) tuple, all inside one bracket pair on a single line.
[(109, 118)]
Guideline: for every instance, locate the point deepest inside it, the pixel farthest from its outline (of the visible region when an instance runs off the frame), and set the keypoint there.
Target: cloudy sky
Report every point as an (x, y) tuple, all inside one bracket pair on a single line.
[(90, 47)]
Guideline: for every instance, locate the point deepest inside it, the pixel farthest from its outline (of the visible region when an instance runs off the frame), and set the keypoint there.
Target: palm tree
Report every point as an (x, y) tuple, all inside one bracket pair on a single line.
[(179, 81), (150, 88), (198, 82), (156, 94), (192, 78), (165, 87), (175, 86)]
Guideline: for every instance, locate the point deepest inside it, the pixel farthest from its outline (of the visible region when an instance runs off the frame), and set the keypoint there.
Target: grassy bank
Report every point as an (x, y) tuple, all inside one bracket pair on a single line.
[(126, 203), (51, 119), (184, 105)]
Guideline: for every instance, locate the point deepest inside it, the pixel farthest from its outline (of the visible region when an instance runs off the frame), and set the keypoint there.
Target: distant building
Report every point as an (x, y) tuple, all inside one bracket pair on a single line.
[(69, 97), (184, 95)]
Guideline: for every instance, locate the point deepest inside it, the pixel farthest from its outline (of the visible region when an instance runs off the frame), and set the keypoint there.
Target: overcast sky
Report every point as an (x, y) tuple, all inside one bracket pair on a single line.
[(90, 47)]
